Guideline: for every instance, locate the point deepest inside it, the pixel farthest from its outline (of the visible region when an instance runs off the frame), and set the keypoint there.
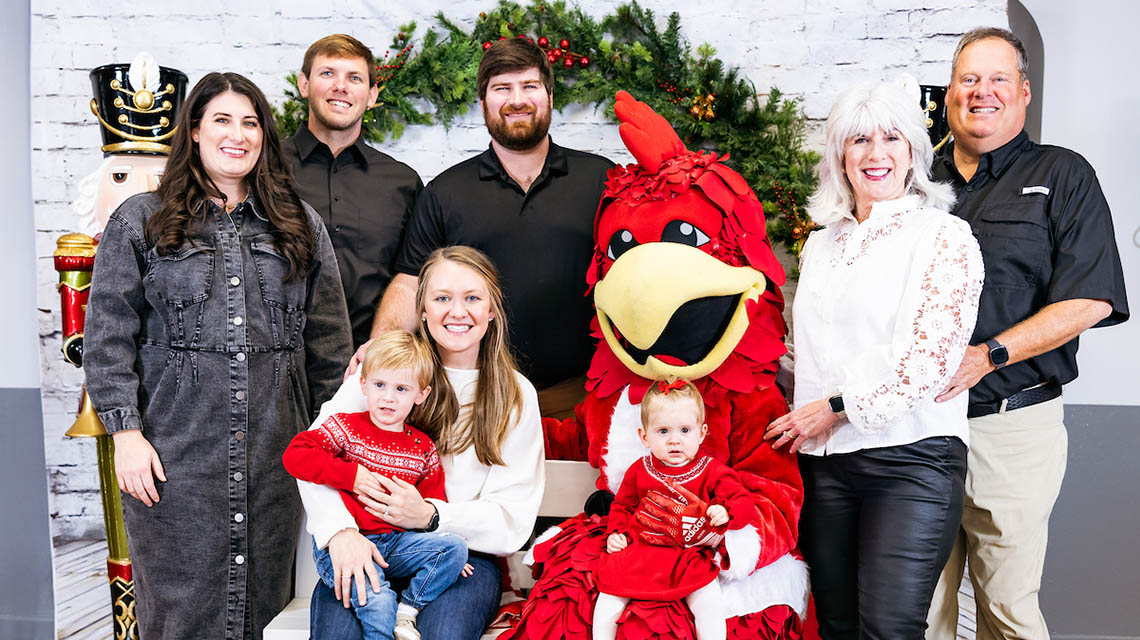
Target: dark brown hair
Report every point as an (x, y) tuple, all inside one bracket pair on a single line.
[(186, 188), (510, 55), (339, 45)]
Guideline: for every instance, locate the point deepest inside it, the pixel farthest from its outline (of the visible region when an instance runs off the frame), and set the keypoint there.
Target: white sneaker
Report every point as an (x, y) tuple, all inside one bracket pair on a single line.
[(406, 628)]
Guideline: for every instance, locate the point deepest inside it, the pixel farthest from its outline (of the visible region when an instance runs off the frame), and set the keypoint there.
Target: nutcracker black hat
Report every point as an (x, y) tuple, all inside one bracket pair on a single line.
[(136, 105), (933, 100)]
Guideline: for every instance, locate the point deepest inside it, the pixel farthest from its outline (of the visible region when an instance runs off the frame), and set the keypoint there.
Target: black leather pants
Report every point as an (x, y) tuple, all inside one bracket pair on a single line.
[(876, 528)]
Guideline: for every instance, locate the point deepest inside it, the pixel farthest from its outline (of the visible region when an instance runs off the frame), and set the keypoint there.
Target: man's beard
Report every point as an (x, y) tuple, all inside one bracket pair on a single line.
[(521, 136)]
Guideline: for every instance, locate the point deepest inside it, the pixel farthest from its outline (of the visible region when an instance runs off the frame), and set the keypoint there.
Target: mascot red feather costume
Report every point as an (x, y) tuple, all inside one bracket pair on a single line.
[(686, 286)]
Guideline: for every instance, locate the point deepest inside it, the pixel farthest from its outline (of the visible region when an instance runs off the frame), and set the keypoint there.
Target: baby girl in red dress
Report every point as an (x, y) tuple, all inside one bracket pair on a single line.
[(641, 565)]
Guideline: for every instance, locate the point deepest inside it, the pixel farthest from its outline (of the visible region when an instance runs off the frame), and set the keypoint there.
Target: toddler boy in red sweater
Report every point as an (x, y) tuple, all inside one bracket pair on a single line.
[(349, 448)]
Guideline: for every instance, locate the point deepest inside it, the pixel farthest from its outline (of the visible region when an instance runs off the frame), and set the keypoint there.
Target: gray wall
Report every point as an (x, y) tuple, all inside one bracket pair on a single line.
[(1086, 95), (1092, 571), (26, 609)]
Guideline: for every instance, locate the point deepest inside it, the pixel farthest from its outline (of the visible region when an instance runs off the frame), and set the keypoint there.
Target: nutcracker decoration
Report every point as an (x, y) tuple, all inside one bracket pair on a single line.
[(933, 101), (135, 104)]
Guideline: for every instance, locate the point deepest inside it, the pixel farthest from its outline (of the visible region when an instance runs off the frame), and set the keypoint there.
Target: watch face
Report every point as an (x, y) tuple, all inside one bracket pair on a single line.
[(836, 403), (999, 355)]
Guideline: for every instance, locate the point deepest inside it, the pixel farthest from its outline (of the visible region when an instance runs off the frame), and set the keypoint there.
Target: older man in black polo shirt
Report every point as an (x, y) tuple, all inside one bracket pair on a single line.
[(363, 196), (1052, 271), (527, 203)]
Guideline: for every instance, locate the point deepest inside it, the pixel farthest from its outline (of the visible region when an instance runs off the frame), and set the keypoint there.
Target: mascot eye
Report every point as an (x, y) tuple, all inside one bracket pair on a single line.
[(119, 177), (683, 232), (620, 242)]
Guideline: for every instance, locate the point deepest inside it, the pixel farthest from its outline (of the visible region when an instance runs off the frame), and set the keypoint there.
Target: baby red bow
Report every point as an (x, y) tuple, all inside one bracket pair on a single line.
[(665, 387)]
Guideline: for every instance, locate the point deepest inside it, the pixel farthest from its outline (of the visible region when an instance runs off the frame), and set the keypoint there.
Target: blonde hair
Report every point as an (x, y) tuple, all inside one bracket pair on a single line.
[(485, 422), (399, 349), (655, 394)]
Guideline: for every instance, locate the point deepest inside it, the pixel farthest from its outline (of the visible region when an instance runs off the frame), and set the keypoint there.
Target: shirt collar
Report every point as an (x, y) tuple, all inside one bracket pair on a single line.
[(887, 208), (1001, 158), (994, 163), (884, 209), (307, 143), (490, 166), (254, 205), (250, 201)]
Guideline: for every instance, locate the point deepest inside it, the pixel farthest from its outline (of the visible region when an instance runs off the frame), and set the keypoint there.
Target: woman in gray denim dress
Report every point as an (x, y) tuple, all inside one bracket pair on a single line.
[(216, 328)]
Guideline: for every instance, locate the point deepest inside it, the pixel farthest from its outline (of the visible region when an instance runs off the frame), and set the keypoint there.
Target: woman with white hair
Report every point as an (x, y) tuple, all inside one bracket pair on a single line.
[(887, 300)]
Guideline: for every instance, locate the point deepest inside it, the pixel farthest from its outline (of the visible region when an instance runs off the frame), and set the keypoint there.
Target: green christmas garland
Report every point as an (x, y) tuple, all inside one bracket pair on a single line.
[(711, 107)]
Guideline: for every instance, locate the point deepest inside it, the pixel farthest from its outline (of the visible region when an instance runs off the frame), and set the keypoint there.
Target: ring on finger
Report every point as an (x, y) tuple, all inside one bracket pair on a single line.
[(387, 510), (789, 435)]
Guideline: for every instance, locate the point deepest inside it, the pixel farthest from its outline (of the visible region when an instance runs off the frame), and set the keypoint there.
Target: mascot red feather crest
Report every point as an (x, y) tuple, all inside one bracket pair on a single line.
[(685, 285)]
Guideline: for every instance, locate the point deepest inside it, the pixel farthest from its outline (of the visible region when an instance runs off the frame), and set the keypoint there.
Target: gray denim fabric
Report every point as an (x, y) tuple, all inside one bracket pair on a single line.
[(219, 399)]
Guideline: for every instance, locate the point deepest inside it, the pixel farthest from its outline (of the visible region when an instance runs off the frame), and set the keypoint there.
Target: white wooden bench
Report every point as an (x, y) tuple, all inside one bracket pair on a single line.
[(568, 484)]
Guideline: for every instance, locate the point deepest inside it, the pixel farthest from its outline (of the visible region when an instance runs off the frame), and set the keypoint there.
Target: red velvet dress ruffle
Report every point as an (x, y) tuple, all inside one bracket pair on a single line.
[(654, 572), (561, 605)]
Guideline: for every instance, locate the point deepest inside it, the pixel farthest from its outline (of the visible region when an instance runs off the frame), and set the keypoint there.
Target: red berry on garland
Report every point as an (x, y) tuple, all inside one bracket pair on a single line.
[(557, 53), (564, 43), (486, 45), (568, 63), (585, 62), (543, 42), (502, 37)]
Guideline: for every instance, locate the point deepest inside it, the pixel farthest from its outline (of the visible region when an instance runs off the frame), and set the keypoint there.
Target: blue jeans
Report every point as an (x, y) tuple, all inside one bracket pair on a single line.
[(432, 561), (461, 612)]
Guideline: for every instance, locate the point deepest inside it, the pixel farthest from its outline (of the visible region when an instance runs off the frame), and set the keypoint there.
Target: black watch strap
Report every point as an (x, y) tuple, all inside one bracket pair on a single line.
[(998, 354), (433, 524)]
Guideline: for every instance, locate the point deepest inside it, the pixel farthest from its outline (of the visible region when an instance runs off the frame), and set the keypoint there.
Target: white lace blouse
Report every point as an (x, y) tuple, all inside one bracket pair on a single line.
[(883, 314)]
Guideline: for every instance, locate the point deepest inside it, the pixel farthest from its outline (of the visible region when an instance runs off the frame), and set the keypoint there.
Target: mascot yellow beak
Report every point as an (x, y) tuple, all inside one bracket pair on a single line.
[(647, 285)]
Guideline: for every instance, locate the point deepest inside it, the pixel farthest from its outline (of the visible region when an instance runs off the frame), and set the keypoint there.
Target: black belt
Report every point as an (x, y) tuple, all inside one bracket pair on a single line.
[(1019, 400)]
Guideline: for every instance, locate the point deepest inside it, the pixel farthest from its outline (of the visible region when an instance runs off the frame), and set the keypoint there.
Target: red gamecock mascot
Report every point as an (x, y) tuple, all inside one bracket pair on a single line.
[(686, 286)]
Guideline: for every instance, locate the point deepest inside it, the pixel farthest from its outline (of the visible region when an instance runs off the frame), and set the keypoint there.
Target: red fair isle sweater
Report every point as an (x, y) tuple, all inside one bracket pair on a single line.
[(329, 455)]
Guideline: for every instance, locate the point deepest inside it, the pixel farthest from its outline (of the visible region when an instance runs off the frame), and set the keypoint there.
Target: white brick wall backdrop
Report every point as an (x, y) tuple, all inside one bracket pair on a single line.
[(810, 50)]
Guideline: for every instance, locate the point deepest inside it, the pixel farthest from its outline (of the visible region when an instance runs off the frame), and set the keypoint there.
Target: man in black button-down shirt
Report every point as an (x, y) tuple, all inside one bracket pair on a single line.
[(527, 203), (1052, 271), (363, 196)]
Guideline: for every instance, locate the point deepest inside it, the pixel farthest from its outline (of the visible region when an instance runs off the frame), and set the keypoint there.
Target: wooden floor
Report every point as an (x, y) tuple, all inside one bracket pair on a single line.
[(83, 599), (82, 595)]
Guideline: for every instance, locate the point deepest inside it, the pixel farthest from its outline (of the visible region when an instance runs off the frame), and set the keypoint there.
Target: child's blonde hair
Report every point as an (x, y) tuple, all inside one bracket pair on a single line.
[(673, 390), (399, 349)]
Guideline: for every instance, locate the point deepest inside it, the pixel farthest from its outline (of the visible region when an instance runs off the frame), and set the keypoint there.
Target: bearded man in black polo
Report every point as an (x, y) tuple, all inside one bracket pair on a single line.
[(1052, 271), (527, 203), (363, 196)]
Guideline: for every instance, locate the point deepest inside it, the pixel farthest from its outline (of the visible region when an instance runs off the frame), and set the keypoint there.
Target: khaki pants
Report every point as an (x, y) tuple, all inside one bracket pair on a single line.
[(1014, 471)]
